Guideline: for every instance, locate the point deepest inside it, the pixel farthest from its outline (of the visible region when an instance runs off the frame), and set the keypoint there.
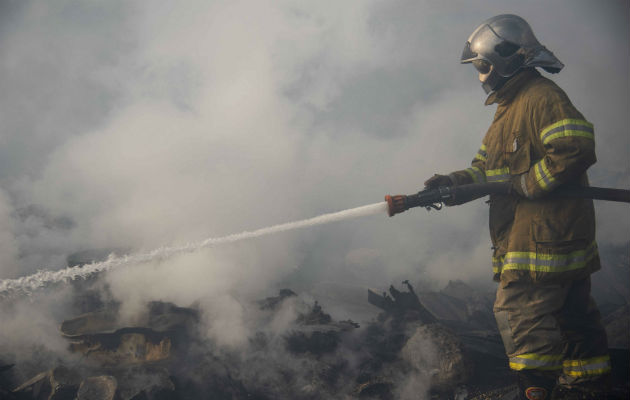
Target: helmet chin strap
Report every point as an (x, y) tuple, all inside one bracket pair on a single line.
[(492, 81), (487, 87)]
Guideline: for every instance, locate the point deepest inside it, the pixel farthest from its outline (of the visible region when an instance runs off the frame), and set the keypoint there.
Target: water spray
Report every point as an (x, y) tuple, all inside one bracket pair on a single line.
[(30, 283), (429, 198)]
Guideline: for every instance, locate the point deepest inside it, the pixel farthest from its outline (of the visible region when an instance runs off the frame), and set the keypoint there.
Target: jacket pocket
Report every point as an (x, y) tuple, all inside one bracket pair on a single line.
[(553, 224), (518, 151), (559, 250)]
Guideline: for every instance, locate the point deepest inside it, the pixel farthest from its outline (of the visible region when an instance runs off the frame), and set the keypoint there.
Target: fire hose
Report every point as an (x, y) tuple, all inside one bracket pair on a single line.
[(459, 194)]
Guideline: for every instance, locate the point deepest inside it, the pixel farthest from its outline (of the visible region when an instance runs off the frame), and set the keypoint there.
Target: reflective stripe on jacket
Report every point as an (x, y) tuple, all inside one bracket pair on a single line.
[(538, 141)]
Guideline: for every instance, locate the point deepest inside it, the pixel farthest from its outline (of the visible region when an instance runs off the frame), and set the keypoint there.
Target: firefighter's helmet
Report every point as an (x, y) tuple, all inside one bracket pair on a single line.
[(505, 44)]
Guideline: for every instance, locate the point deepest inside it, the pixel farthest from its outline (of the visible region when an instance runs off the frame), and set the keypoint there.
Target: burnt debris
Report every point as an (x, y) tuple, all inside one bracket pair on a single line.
[(440, 345)]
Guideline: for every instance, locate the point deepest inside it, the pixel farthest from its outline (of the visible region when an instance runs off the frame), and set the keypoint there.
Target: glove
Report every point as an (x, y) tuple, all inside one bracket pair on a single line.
[(438, 180), (441, 180), (396, 204)]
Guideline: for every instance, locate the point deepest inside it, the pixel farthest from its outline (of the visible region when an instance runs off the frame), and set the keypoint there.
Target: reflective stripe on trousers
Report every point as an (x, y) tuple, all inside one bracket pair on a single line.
[(587, 367), (536, 361)]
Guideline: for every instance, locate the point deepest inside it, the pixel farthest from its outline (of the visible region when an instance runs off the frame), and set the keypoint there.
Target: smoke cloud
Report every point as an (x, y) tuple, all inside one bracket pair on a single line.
[(137, 125)]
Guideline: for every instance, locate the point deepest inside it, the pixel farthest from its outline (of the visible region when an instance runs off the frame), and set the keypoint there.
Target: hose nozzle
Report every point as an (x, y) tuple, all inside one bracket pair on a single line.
[(396, 204)]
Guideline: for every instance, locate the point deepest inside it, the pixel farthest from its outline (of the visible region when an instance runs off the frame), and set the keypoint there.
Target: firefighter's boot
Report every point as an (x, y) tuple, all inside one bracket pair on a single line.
[(534, 385), (595, 389)]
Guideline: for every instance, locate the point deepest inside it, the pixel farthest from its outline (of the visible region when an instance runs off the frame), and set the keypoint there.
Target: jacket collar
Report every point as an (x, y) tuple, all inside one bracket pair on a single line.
[(512, 87)]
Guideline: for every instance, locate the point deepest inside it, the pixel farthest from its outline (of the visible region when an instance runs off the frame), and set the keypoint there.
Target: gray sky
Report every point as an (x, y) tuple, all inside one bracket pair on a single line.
[(142, 124)]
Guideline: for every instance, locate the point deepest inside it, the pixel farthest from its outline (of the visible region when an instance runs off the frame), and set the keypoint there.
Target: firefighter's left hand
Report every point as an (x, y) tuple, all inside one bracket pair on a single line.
[(438, 180)]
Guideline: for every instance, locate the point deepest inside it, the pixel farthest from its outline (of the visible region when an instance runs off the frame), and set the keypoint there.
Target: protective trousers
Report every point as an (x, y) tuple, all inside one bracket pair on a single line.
[(554, 329)]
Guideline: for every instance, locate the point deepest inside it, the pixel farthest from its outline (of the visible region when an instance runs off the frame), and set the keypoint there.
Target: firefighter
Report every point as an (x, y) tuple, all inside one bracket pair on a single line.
[(544, 248)]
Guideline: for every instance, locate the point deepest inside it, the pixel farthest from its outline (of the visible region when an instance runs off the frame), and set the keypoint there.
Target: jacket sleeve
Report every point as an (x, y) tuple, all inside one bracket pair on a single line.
[(568, 142), (477, 171)]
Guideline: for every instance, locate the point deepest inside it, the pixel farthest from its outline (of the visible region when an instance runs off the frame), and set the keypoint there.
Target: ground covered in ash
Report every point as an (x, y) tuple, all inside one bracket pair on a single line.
[(428, 345)]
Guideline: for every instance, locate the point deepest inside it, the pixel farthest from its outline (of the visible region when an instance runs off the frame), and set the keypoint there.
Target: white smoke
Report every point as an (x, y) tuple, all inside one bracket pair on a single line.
[(157, 125), (234, 115), (8, 242)]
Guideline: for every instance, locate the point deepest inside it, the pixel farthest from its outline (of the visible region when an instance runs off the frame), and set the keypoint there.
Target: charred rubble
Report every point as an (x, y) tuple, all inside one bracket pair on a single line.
[(440, 345)]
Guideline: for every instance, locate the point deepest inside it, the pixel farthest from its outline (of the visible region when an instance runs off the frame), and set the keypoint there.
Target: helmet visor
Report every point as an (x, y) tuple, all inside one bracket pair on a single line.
[(480, 44), (467, 54)]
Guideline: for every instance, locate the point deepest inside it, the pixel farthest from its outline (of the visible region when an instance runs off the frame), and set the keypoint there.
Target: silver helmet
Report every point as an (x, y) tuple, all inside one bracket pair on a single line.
[(504, 44)]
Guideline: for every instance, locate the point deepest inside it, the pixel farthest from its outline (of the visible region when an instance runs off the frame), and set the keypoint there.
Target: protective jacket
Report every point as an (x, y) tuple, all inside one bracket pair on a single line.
[(538, 141)]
